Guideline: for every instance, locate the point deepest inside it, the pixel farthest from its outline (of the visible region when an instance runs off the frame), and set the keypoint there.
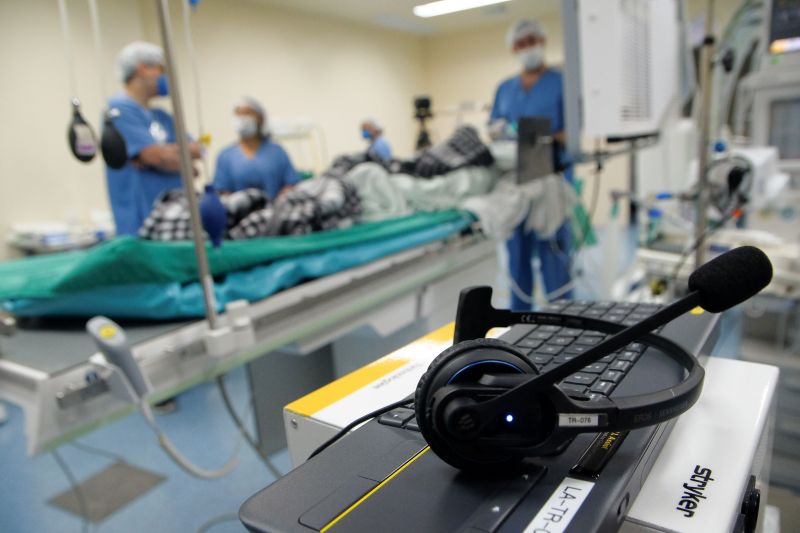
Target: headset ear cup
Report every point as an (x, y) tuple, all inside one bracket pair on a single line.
[(430, 382)]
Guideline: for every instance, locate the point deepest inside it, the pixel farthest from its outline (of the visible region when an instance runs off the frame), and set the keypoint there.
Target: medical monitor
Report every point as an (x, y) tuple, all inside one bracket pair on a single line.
[(783, 27), (624, 66)]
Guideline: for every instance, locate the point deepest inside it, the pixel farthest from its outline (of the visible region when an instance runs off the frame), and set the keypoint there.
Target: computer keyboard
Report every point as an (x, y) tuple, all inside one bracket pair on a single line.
[(549, 346)]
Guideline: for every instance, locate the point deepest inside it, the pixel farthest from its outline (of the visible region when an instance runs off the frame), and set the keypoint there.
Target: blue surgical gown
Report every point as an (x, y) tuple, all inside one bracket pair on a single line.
[(511, 102), (133, 189), (269, 170), (381, 148)]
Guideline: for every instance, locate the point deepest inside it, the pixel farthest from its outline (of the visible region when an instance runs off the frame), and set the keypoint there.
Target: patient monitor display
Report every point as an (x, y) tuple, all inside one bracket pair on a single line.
[(784, 29)]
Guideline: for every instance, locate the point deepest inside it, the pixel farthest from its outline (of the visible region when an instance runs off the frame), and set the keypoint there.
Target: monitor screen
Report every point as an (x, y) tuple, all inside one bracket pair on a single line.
[(784, 127), (784, 29)]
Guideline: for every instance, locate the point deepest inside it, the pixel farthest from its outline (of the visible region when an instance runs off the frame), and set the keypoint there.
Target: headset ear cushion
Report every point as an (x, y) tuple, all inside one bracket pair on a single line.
[(430, 381), (451, 352)]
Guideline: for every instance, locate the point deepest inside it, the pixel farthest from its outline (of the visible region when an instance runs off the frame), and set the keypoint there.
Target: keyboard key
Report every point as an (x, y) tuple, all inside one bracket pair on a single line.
[(602, 387), (593, 313), (595, 368), (529, 343), (549, 328), (561, 341), (540, 359), (622, 366), (574, 310), (570, 332), (550, 366), (636, 347), (396, 417), (625, 305), (630, 322), (539, 335), (588, 341), (576, 349), (556, 307), (572, 389), (639, 316), (580, 378), (614, 317), (628, 355), (607, 358), (614, 376), (412, 425), (564, 357), (522, 350), (549, 349), (593, 396)]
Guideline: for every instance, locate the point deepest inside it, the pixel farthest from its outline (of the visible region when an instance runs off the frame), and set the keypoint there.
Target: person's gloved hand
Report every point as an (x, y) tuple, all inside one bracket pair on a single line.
[(500, 130), (497, 129)]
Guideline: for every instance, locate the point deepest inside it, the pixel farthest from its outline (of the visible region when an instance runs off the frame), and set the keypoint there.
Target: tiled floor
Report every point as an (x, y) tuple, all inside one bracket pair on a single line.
[(200, 428)]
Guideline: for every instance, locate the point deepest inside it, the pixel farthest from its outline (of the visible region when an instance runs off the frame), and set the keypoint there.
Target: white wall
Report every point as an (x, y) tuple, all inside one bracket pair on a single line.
[(39, 179), (299, 65)]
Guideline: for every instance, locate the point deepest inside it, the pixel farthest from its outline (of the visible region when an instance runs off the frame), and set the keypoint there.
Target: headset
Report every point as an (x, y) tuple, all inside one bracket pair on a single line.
[(483, 406)]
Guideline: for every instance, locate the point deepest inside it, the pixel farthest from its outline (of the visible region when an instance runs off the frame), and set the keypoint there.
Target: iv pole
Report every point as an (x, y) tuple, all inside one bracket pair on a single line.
[(706, 55), (187, 171)]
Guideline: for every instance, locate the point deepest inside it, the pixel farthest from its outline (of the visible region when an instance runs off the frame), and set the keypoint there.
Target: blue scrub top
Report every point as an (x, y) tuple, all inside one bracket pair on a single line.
[(544, 98), (269, 170), (381, 148), (133, 189)]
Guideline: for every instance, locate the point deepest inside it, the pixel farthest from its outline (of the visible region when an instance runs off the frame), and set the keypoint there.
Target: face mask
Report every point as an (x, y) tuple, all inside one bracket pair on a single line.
[(246, 127), (532, 57), (366, 134), (162, 86)]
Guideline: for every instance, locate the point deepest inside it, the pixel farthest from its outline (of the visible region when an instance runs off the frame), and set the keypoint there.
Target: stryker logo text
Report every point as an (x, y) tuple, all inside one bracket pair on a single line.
[(693, 491)]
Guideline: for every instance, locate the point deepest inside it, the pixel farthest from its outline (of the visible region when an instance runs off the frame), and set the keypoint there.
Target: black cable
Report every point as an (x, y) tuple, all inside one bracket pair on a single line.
[(242, 430), (698, 242), (598, 172), (74, 486), (342, 432)]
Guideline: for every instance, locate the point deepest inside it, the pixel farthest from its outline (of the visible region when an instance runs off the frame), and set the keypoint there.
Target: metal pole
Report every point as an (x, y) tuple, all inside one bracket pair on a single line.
[(706, 55), (633, 217), (187, 171)]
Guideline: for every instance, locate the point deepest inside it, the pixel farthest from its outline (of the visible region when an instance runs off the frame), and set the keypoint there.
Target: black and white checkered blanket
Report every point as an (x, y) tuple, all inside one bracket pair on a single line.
[(169, 219), (463, 148), (317, 204)]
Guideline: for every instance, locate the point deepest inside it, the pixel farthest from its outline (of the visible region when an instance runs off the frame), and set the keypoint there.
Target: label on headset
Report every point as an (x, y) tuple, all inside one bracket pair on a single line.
[(579, 420), (562, 506)]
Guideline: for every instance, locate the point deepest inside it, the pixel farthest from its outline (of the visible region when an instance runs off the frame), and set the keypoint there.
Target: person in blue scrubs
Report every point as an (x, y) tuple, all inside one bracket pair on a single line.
[(536, 91), (254, 161), (153, 159), (378, 146)]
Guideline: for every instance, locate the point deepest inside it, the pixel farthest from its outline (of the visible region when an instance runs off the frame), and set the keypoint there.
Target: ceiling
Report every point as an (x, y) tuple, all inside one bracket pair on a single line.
[(397, 15)]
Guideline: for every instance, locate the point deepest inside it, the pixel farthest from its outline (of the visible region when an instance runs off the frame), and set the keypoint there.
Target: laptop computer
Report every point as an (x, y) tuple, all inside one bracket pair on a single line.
[(383, 477)]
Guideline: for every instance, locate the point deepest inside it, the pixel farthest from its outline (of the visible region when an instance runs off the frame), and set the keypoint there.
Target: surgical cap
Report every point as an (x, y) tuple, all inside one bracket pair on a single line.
[(135, 53), (374, 123), (252, 103), (524, 28)]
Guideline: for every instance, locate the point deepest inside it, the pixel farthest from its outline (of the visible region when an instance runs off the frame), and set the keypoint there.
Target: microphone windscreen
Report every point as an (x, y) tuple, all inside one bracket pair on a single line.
[(731, 278)]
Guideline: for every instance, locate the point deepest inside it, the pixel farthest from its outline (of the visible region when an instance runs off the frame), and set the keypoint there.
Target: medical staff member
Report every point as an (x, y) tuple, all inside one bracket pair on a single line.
[(254, 161), (536, 91), (153, 158), (378, 146)]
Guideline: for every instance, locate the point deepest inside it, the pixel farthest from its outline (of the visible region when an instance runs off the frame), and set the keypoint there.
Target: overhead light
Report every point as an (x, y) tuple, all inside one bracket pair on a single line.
[(443, 7)]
